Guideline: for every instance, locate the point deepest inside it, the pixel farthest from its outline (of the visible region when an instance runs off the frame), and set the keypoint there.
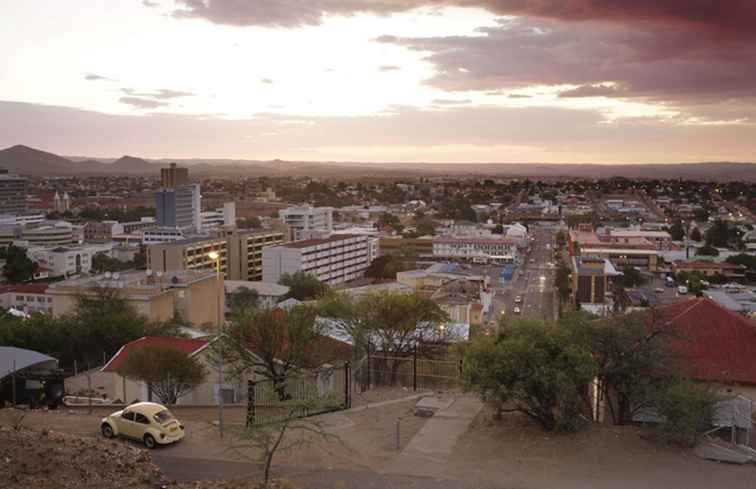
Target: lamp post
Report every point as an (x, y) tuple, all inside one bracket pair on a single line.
[(216, 256)]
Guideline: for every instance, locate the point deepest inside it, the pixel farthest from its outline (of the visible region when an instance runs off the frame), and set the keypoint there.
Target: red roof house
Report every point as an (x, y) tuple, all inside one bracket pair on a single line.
[(714, 343), (187, 345)]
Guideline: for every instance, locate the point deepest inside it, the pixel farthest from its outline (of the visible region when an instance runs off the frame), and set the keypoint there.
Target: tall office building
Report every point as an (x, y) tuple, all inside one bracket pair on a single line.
[(13, 190), (304, 219), (178, 203), (174, 176)]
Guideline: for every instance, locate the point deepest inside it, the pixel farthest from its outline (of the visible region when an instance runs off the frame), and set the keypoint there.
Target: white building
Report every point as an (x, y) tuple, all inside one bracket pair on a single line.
[(225, 216), (499, 250), (162, 235), (62, 261), (333, 260), (307, 218)]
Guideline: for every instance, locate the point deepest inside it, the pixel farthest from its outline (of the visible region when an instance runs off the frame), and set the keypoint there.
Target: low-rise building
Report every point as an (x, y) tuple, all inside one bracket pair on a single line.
[(495, 250), (306, 218), (710, 269), (28, 298), (333, 260), (62, 261), (195, 296), (590, 282), (269, 294)]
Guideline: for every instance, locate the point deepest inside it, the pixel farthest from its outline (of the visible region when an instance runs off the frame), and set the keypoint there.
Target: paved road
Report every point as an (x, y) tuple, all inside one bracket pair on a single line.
[(533, 281)]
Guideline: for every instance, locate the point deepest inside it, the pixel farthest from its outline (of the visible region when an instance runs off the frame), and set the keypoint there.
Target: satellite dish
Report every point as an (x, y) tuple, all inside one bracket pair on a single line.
[(116, 276), (107, 274), (148, 272), (158, 274)]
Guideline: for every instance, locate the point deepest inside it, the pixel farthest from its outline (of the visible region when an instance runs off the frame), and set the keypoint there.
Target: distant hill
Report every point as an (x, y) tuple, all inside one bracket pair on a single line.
[(33, 162)]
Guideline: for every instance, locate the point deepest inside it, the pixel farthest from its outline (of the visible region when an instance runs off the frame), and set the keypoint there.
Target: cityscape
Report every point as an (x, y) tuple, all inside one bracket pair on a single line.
[(412, 244)]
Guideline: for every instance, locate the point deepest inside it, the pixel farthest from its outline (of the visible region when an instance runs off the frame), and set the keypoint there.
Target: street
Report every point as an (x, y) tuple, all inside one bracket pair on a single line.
[(533, 281)]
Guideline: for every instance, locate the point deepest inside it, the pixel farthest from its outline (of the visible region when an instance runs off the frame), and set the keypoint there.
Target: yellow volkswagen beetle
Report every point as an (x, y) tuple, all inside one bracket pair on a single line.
[(147, 422)]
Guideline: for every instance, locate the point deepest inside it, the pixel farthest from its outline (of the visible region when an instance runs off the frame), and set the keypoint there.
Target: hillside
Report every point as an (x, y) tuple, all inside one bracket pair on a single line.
[(33, 162)]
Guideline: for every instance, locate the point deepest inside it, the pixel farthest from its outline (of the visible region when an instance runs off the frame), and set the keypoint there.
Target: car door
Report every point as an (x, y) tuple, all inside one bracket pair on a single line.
[(127, 426), (141, 423)]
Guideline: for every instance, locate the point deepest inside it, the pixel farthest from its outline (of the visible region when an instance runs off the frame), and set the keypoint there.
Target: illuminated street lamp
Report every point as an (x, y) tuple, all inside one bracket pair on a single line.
[(213, 255)]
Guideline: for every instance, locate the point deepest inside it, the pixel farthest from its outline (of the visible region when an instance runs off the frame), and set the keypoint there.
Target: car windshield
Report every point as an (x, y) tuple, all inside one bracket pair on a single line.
[(164, 416)]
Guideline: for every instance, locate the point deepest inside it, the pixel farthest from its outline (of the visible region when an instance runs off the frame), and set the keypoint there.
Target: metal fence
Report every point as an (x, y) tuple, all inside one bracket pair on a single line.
[(422, 368), (308, 394)]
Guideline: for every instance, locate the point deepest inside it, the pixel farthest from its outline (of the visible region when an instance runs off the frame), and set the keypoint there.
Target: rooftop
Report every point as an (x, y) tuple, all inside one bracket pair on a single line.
[(262, 288), (306, 243), (136, 279), (187, 345)]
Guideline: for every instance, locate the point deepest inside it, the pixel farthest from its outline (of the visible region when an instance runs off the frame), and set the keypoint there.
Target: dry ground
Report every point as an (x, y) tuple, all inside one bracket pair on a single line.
[(515, 453)]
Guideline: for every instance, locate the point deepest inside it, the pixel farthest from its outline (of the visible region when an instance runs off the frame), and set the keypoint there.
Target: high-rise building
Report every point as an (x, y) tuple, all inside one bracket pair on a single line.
[(174, 176), (13, 190), (304, 219), (178, 202)]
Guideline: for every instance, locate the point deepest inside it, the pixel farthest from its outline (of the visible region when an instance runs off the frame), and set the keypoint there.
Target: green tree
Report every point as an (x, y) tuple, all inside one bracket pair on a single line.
[(696, 235), (498, 229), (686, 410), (561, 239), (718, 234), (707, 250), (533, 368), (249, 223), (18, 266), (385, 267), (562, 282), (677, 230), (744, 259), (632, 277), (243, 300), (103, 263), (272, 343), (627, 349), (168, 372), (303, 286)]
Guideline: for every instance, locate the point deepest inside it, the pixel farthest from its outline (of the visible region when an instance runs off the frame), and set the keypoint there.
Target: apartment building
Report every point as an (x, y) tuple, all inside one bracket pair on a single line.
[(333, 260), (245, 251), (240, 253), (307, 218), (188, 254)]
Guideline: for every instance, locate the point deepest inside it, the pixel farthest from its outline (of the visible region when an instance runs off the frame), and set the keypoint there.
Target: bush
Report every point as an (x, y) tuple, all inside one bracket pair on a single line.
[(686, 410)]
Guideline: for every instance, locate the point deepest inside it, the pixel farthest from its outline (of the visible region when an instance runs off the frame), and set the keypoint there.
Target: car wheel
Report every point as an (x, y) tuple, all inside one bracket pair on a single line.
[(107, 430), (149, 441)]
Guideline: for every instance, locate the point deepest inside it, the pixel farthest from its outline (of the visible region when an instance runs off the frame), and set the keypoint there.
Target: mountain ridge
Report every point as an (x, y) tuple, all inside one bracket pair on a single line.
[(29, 161)]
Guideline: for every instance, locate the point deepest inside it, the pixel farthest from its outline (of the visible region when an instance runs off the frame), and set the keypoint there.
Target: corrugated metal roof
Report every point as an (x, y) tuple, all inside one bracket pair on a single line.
[(18, 358)]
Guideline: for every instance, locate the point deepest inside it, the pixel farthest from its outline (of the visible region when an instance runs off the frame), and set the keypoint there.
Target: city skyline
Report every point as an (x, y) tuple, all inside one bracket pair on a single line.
[(382, 80)]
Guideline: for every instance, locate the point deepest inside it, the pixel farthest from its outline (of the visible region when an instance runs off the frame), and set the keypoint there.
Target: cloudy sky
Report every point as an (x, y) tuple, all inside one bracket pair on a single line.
[(604, 81)]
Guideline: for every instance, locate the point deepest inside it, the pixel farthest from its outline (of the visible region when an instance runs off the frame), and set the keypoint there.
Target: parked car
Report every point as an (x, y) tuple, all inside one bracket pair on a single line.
[(682, 290), (148, 422), (518, 299), (659, 290), (516, 310)]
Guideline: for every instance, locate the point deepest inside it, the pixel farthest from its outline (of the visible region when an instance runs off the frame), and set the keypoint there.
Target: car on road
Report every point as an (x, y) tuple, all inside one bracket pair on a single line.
[(532, 260), (682, 290), (148, 422), (518, 299), (659, 290), (516, 310)]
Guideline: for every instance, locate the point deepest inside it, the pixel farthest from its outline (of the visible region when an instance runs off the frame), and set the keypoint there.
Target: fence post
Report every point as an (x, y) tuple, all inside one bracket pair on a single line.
[(368, 366), (250, 402), (13, 380), (89, 388), (347, 386), (414, 368)]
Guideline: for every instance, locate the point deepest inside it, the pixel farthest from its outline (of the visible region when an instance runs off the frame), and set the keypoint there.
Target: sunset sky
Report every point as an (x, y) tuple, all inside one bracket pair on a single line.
[(602, 81)]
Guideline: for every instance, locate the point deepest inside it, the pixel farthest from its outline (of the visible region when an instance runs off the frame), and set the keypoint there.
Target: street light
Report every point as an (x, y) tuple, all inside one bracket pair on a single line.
[(213, 255)]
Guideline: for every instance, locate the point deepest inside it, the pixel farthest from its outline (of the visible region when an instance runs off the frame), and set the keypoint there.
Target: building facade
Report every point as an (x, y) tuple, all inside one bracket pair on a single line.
[(179, 207), (499, 250), (245, 252), (188, 254), (13, 190), (303, 219), (333, 260)]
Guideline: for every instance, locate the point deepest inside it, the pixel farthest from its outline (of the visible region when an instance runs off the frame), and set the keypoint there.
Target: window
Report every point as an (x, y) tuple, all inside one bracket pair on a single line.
[(164, 416), (141, 418), (49, 299), (128, 415), (19, 298)]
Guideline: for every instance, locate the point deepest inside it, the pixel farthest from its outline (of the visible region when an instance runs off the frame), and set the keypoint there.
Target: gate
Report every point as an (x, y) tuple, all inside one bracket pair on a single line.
[(314, 392)]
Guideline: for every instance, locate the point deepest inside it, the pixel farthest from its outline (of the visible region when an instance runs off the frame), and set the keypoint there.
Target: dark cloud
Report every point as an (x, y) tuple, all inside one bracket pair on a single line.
[(96, 77), (599, 90), (672, 65), (717, 17), (142, 103), (389, 68)]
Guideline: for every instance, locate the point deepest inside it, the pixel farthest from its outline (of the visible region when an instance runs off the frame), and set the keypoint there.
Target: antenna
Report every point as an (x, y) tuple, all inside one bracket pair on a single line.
[(108, 275)]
